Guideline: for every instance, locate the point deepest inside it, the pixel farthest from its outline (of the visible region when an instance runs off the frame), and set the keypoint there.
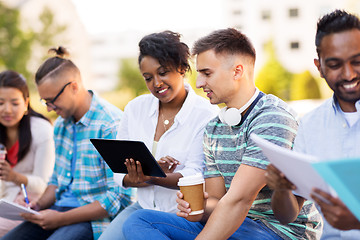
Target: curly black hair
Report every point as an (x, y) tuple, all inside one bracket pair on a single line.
[(335, 22), (167, 48)]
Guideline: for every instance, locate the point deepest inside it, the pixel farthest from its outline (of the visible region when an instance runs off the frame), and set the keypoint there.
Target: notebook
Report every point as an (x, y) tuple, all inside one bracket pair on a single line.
[(12, 210), (343, 176)]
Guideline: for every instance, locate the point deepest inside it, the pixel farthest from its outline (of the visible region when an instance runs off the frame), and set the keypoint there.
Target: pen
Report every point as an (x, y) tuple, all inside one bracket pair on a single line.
[(24, 193)]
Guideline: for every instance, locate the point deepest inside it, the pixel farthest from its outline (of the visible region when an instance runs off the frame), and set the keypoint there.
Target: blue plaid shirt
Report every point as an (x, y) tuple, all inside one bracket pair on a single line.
[(91, 180)]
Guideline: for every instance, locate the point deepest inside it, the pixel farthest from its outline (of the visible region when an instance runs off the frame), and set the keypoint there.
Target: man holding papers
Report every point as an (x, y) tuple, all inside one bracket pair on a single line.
[(331, 131)]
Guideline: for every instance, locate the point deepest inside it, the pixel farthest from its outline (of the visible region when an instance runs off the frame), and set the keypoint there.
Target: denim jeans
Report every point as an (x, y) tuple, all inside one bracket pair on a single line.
[(150, 224), (31, 231), (114, 230)]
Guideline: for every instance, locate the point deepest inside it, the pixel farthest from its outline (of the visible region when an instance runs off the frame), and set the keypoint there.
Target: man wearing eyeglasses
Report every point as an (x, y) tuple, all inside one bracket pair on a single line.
[(51, 103), (81, 197)]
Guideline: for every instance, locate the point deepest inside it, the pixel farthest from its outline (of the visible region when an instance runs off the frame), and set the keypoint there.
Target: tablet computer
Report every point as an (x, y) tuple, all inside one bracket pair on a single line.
[(115, 152)]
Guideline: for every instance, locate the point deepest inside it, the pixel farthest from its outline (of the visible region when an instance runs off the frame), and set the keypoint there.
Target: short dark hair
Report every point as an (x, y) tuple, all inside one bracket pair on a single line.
[(335, 22), (229, 41), (55, 65), (167, 48), (12, 79)]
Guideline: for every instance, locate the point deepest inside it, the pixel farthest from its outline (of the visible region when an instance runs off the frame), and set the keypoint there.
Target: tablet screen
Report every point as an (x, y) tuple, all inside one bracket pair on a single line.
[(115, 152)]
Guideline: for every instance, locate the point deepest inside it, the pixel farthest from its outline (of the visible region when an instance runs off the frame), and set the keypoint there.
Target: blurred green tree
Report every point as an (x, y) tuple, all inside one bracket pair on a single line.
[(45, 37), (130, 77), (15, 43), (50, 29), (273, 78), (304, 86)]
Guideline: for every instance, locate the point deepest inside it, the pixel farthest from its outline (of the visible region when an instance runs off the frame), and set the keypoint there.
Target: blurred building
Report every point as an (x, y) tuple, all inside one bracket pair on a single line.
[(75, 37), (289, 24), (107, 50)]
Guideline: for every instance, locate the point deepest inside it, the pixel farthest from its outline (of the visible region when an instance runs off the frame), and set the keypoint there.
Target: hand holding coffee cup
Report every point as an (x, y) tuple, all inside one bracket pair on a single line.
[(192, 191)]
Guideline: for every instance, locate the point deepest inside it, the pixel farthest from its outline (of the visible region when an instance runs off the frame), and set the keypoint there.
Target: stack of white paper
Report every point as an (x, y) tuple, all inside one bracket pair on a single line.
[(12, 210), (337, 177)]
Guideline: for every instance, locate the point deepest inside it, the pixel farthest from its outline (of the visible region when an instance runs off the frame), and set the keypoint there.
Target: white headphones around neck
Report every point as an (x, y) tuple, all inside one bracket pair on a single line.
[(232, 116)]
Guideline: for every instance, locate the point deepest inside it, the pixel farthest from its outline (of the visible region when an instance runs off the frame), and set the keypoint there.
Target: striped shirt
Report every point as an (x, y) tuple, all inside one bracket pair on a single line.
[(91, 180), (226, 148)]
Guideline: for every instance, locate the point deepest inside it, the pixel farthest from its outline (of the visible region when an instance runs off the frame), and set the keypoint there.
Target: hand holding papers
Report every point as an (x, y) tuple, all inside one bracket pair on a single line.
[(297, 167), (12, 210), (307, 172), (343, 175)]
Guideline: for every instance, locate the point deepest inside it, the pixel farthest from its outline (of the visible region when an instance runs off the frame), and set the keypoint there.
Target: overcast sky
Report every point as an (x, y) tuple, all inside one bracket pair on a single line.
[(101, 16)]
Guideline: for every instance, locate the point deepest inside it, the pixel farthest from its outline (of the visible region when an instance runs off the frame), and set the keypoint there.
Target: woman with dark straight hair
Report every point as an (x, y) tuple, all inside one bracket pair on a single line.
[(28, 138)]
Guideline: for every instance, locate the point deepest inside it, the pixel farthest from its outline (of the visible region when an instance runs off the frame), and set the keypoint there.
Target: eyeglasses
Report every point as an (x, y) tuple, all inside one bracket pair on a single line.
[(51, 103)]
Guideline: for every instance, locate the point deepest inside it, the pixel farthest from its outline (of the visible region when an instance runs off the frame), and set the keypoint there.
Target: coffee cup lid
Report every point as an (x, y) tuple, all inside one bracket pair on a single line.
[(191, 180)]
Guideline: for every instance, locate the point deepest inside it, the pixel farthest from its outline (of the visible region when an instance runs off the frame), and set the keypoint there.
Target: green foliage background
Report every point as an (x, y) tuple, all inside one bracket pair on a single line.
[(304, 86), (274, 79), (15, 43), (130, 77)]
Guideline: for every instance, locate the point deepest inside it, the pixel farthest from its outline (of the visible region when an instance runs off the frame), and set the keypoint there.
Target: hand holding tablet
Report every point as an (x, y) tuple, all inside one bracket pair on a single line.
[(115, 153)]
